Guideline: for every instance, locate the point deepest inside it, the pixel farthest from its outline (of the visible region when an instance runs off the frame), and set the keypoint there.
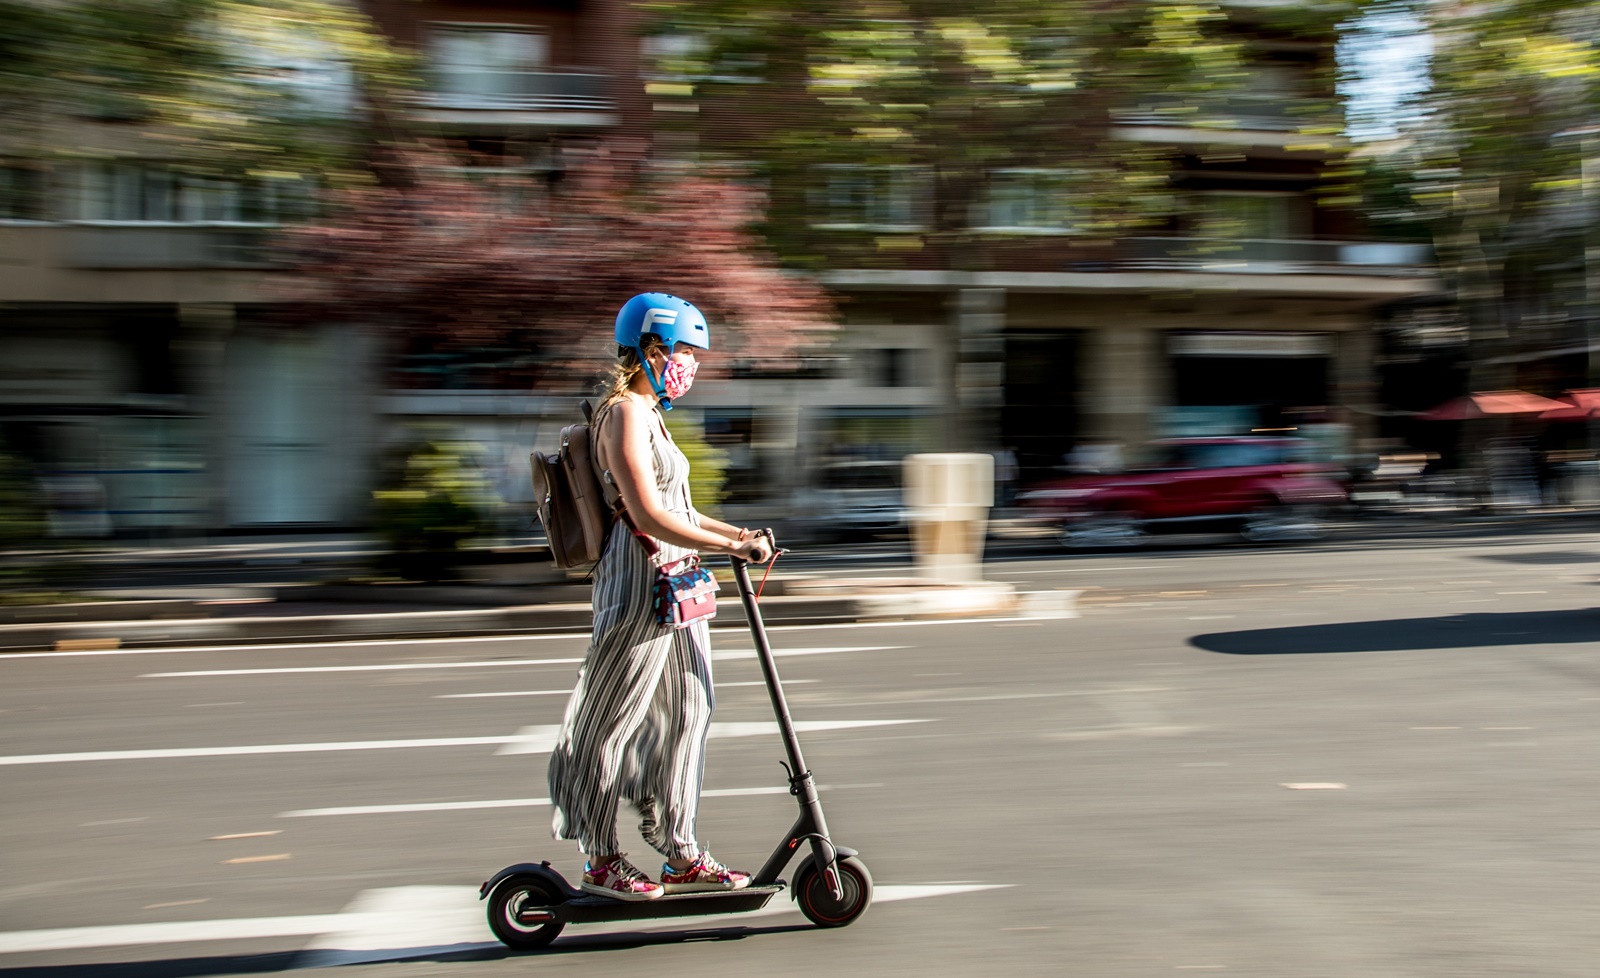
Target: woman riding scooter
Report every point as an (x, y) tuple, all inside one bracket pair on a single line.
[(636, 724)]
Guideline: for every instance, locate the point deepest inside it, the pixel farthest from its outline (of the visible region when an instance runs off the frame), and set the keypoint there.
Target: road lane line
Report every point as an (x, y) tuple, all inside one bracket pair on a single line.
[(529, 740), (517, 692), (462, 806), (542, 637), (170, 752), (568, 692), (178, 932), (380, 667), (735, 654), (358, 643), (484, 664), (396, 923), (541, 739)]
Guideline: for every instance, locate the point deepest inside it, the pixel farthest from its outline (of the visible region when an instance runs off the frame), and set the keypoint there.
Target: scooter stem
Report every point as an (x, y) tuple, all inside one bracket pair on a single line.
[(769, 669), (811, 826)]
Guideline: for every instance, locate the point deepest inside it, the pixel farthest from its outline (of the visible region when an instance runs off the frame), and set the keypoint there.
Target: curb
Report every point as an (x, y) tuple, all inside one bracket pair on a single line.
[(520, 620)]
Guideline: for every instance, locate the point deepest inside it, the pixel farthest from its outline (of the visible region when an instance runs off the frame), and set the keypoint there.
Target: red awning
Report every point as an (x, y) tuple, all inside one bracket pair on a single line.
[(1492, 403), (1576, 405)]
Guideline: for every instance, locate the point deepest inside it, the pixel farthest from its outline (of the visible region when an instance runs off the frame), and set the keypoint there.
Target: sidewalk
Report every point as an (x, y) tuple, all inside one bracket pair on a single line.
[(244, 590)]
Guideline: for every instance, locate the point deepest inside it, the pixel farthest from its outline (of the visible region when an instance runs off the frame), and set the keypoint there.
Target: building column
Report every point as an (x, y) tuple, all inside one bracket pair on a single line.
[(979, 319), (204, 329), (1124, 383), (1355, 381)]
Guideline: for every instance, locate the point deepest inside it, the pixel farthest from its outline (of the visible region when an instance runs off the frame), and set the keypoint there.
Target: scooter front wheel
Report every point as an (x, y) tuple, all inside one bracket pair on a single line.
[(819, 904), (520, 913)]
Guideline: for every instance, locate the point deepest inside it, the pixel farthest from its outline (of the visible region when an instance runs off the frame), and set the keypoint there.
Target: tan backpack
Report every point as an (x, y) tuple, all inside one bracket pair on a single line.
[(570, 498)]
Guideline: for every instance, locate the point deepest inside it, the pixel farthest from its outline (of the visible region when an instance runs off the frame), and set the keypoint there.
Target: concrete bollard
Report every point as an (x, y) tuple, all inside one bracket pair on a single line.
[(949, 496)]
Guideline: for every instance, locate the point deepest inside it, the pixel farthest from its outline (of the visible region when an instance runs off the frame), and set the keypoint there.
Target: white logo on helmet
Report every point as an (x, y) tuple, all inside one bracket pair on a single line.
[(665, 316)]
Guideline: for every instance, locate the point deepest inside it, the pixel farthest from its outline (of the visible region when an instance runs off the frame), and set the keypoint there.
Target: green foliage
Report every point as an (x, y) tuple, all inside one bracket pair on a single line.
[(436, 502), (1495, 169), (21, 519), (219, 87), (708, 465), (947, 90)]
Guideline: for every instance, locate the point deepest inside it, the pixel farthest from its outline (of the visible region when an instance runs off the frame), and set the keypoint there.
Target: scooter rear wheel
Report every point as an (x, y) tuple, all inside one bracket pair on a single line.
[(519, 913), (819, 905)]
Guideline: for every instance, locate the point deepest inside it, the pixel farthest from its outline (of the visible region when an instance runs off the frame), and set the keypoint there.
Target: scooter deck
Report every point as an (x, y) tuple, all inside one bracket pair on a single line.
[(590, 909)]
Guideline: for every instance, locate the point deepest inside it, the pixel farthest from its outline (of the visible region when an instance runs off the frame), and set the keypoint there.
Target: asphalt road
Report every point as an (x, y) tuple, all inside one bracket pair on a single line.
[(1372, 759)]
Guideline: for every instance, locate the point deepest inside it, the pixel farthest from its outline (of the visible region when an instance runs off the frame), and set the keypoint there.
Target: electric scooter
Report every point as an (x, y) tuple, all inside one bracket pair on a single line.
[(529, 904)]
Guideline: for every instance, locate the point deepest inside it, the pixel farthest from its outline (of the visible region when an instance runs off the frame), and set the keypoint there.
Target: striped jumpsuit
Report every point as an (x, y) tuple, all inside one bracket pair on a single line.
[(636, 724)]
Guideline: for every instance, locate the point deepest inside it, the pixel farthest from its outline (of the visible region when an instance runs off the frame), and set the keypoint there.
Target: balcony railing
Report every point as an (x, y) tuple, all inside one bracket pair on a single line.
[(136, 246), (526, 91), (1264, 256)]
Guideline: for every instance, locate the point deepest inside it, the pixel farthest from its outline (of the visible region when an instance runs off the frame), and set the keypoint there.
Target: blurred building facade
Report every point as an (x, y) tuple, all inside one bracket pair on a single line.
[(141, 379)]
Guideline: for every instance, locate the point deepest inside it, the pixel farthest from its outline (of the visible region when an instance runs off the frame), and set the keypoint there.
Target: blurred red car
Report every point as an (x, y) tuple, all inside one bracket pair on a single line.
[(1265, 488)]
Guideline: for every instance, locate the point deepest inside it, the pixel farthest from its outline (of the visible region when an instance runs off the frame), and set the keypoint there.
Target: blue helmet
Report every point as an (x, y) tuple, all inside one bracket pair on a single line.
[(667, 316)]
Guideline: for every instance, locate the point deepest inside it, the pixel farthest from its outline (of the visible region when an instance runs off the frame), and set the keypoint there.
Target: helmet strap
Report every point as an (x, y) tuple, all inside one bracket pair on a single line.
[(657, 382)]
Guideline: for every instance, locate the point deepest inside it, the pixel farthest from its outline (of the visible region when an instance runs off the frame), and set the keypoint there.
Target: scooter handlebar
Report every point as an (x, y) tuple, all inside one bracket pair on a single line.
[(762, 554)]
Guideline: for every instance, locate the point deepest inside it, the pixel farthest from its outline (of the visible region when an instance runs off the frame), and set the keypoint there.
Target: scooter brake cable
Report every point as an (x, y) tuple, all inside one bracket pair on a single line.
[(763, 585)]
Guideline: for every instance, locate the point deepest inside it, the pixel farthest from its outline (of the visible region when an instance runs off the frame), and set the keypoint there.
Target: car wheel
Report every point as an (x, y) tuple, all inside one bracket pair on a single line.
[(1280, 522), (1110, 528)]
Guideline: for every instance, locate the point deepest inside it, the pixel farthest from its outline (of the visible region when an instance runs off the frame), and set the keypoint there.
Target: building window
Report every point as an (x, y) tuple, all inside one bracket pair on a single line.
[(895, 367), (1258, 216), (21, 193), (879, 198), (488, 61), (1029, 201), (148, 193)]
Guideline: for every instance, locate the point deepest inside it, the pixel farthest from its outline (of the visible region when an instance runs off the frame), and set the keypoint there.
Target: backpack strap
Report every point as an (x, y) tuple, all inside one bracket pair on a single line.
[(609, 488)]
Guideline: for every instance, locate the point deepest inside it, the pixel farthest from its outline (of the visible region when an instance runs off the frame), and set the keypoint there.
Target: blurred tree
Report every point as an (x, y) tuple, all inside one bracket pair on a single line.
[(708, 464), (287, 88), (435, 502), (1493, 167), (448, 263), (900, 112)]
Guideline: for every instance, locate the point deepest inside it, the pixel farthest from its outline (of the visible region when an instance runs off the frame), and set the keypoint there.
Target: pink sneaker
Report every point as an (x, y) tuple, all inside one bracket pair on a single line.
[(620, 880), (703, 875)]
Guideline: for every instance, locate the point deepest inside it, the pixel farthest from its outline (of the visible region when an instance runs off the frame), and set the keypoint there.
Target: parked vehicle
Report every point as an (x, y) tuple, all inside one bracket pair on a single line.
[(1267, 489), (848, 500)]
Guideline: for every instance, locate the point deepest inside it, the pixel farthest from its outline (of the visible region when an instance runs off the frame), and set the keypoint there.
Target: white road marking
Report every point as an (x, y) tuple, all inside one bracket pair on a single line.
[(780, 653), (359, 643), (395, 923), (520, 692), (568, 692), (178, 932), (541, 739), (378, 667), (482, 664), (528, 740), (544, 637), (461, 806), (167, 752)]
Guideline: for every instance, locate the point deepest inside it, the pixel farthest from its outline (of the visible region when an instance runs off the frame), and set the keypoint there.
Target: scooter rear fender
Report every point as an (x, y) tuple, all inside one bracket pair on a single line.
[(541, 870)]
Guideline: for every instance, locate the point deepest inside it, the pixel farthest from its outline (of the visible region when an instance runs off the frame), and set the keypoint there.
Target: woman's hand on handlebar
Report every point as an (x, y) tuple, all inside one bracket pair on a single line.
[(757, 548)]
